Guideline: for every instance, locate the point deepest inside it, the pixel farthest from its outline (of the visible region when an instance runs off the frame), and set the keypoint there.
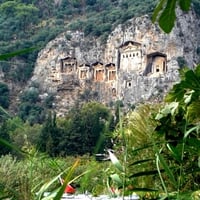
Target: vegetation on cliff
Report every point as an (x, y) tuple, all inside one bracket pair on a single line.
[(34, 23)]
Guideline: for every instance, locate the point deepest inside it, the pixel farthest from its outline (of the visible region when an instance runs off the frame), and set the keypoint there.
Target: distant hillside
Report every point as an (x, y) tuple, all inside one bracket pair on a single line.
[(28, 23)]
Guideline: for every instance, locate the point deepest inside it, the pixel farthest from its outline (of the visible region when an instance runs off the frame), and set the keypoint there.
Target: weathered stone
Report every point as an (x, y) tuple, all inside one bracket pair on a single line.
[(137, 63)]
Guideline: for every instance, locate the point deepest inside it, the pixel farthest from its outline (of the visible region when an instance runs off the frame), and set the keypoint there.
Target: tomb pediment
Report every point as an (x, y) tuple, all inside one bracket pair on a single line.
[(110, 66), (130, 46), (130, 43), (84, 65), (68, 58), (97, 64), (156, 54)]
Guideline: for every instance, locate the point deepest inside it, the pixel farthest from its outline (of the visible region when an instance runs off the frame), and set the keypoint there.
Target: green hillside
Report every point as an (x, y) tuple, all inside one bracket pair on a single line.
[(28, 23)]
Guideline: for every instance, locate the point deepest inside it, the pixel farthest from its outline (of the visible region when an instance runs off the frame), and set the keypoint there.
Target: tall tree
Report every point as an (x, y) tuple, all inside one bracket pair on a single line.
[(4, 95), (94, 117), (5, 136), (27, 15), (50, 136)]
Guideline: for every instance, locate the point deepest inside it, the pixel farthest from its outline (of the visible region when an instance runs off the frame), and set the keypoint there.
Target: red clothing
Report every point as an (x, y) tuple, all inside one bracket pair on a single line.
[(70, 190)]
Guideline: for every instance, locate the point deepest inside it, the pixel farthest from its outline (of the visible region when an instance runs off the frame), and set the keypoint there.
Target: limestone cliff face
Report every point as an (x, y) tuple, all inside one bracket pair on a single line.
[(137, 63)]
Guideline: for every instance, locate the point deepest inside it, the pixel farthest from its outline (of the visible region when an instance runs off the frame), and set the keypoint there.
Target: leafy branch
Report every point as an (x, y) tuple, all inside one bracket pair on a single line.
[(165, 13)]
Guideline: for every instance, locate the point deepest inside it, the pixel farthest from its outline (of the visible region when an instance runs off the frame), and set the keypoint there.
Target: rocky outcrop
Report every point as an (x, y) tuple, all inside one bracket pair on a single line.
[(137, 63)]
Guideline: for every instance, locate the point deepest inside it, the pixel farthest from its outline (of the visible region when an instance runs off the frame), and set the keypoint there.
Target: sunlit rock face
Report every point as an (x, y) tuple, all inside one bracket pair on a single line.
[(137, 63)]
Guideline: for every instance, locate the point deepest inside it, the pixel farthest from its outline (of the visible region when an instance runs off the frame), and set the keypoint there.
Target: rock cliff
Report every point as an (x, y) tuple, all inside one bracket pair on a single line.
[(138, 62)]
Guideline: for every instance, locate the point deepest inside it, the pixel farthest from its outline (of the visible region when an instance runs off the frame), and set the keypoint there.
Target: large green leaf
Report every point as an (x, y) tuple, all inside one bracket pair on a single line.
[(67, 180), (45, 187), (16, 53), (195, 128), (176, 153), (145, 173), (176, 94), (58, 192), (197, 71), (167, 169), (168, 109), (115, 161), (168, 16), (188, 90), (165, 13), (192, 80), (193, 111), (115, 178), (188, 96), (158, 9), (185, 4), (143, 190), (10, 146)]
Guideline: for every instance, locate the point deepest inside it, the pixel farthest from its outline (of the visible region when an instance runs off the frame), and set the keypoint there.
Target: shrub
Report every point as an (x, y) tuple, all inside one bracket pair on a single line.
[(4, 95), (181, 62)]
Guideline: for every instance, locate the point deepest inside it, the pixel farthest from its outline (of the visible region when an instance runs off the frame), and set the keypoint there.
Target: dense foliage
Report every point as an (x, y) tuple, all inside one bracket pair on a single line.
[(164, 140), (4, 98), (86, 129), (31, 108)]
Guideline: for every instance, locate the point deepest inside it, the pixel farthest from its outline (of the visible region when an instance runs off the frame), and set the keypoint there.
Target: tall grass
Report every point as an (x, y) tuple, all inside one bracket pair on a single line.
[(22, 179)]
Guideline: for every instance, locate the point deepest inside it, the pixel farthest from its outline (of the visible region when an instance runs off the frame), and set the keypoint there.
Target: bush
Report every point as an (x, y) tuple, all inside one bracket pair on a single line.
[(31, 95), (77, 134), (4, 95), (181, 62)]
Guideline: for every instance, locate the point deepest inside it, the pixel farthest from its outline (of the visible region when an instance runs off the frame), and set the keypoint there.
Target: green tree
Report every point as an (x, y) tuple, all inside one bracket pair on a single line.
[(30, 95), (86, 129), (5, 136), (8, 7), (30, 108), (4, 95), (94, 119), (23, 135), (50, 136), (26, 15)]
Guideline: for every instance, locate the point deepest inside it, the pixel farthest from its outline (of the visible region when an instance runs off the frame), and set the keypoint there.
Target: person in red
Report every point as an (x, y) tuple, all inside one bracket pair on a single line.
[(70, 189)]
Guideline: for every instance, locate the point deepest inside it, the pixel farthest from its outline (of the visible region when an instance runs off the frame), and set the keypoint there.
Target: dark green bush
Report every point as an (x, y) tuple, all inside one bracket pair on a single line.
[(181, 62), (4, 95)]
